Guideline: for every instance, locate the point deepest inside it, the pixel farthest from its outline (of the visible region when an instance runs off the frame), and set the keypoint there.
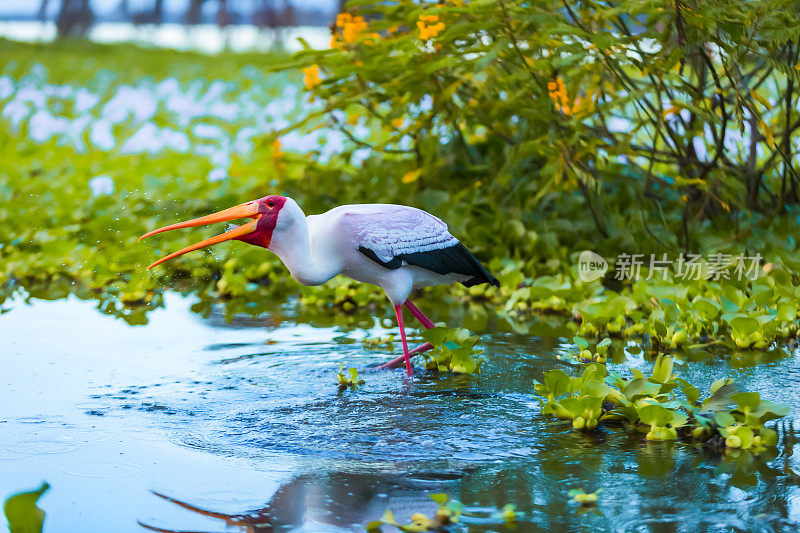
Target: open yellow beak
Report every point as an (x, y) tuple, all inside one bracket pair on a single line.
[(246, 210)]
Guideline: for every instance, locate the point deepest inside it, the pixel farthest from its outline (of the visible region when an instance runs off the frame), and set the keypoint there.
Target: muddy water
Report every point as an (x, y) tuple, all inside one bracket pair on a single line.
[(244, 424)]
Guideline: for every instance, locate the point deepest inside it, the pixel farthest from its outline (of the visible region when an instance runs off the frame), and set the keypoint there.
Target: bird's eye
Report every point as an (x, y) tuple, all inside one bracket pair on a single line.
[(271, 203)]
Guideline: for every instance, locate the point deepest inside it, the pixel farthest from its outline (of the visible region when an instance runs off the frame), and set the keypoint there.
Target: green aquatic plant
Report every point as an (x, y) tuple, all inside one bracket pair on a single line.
[(738, 417), (584, 498), (86, 245), (378, 342), (509, 514), (650, 404), (350, 379), (587, 502), (22, 513), (454, 350), (586, 355)]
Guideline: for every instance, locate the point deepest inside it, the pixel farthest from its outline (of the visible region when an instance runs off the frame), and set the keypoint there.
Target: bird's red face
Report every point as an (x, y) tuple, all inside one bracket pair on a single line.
[(258, 231)]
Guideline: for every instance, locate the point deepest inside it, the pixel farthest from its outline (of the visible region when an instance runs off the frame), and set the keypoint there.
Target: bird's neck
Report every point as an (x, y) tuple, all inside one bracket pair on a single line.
[(294, 247)]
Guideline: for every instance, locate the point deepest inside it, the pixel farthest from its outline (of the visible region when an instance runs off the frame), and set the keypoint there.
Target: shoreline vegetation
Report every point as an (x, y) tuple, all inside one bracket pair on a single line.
[(658, 133)]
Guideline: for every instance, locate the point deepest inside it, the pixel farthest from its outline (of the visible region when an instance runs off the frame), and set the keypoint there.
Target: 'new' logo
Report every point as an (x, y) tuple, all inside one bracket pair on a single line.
[(591, 266)]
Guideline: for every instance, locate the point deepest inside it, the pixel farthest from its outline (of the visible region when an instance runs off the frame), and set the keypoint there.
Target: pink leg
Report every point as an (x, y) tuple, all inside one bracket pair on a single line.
[(427, 323), (398, 309)]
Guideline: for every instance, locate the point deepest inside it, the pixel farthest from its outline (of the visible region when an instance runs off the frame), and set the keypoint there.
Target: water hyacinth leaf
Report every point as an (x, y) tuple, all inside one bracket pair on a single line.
[(581, 342), (655, 414), (734, 295), (729, 307), (574, 406), (22, 513), (691, 392), (635, 387), (557, 382), (679, 419), (671, 311), (436, 335), (724, 419), (353, 375), (461, 361), (744, 325), (605, 342), (707, 308), (388, 518), (595, 371), (703, 420), (439, 498), (746, 435), (765, 319), (746, 401), (768, 410), (557, 410), (721, 399), (787, 312), (595, 388), (662, 370), (719, 383), (458, 336)]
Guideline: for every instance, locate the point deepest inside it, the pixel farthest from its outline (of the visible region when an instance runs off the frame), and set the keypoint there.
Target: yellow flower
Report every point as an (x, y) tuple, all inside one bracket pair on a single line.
[(558, 93), (276, 149), (429, 26), (350, 26), (311, 77)]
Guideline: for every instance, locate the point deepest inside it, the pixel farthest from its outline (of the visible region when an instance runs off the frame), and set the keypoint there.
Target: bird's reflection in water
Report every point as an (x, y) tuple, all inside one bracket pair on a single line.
[(334, 500)]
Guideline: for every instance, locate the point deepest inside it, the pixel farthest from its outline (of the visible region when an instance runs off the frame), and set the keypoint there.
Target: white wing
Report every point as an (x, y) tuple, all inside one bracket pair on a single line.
[(392, 230)]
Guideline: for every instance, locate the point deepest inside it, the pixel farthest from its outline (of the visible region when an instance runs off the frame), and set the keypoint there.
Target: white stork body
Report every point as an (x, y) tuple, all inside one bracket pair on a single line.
[(396, 247), (316, 248)]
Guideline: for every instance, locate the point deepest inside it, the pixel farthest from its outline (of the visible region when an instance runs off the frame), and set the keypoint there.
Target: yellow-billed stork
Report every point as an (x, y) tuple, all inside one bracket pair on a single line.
[(396, 247)]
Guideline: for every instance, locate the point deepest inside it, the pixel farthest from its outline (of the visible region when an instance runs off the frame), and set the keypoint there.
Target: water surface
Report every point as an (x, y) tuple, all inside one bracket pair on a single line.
[(244, 419)]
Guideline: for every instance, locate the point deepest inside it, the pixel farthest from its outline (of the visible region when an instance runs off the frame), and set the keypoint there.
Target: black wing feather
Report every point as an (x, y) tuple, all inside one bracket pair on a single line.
[(451, 260)]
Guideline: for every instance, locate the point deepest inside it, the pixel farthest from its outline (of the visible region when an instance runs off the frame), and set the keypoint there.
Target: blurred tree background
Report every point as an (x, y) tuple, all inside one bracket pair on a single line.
[(536, 129)]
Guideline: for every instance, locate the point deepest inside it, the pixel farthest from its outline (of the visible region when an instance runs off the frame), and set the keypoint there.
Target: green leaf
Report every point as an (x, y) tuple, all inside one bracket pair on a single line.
[(724, 419), (692, 393), (787, 312), (707, 308), (436, 335), (767, 411), (581, 342), (388, 518), (721, 399), (744, 325), (746, 400), (595, 388), (662, 370), (746, 436), (22, 514), (440, 498), (557, 382), (461, 361), (602, 346), (655, 414)]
